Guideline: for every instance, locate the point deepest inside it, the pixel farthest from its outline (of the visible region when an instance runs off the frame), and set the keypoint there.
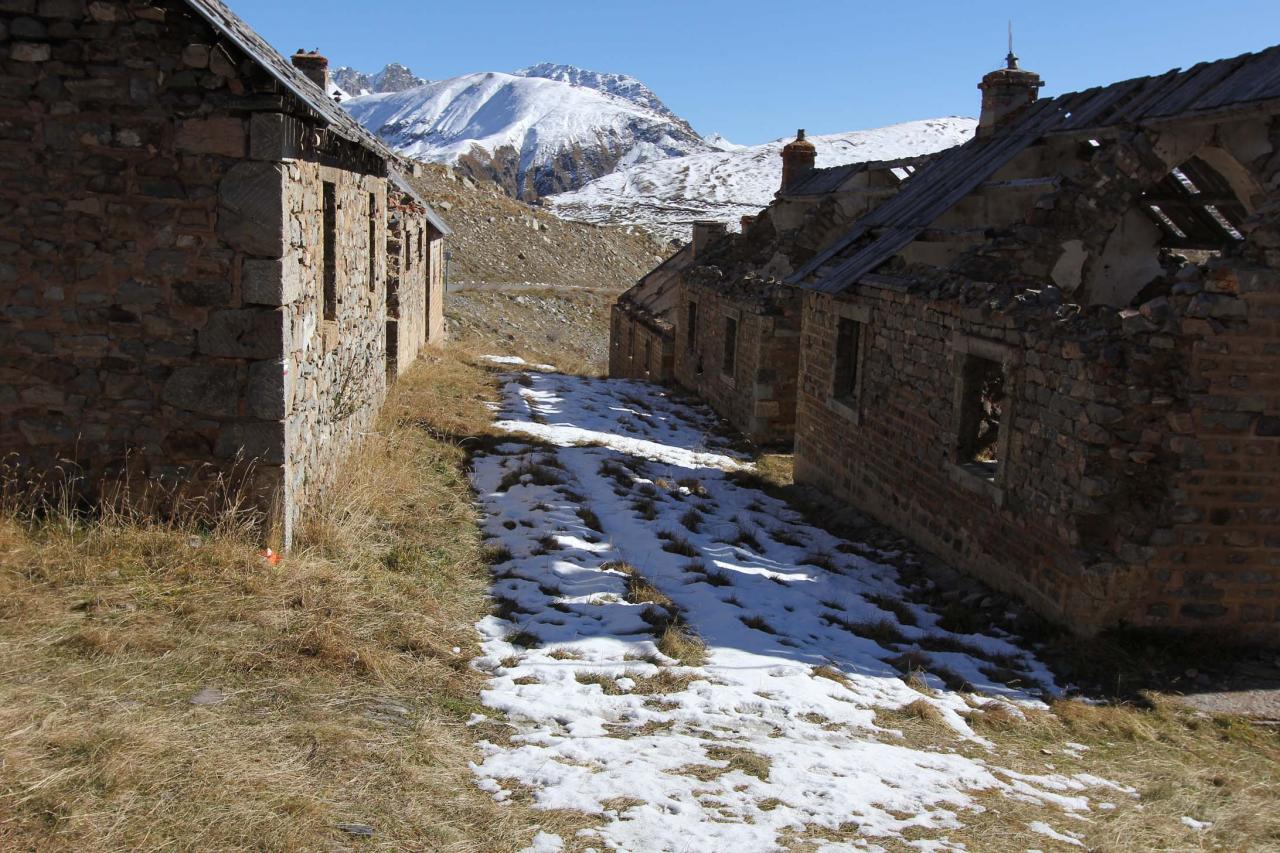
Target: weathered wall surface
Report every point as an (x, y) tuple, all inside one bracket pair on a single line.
[(407, 294), (759, 395), (435, 289), (124, 328), (334, 369), (161, 258), (638, 348), (1141, 476)]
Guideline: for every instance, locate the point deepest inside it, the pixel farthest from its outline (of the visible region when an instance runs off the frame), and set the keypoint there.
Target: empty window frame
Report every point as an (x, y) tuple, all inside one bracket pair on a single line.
[(644, 364), (1196, 208), (330, 225), (845, 382), (373, 242), (691, 325), (730, 361), (983, 409)]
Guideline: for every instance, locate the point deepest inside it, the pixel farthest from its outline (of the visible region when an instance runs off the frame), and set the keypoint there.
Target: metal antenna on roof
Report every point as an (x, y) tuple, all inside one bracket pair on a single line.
[(1011, 61)]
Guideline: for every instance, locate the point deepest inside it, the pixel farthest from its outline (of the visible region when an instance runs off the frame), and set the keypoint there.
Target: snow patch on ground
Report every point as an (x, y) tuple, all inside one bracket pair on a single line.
[(626, 499)]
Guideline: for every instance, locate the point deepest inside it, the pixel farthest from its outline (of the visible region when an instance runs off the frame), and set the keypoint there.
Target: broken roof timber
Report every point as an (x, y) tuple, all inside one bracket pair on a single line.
[(1240, 84)]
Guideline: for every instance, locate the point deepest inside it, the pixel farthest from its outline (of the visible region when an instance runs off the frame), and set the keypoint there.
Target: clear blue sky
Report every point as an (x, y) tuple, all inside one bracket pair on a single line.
[(755, 70)]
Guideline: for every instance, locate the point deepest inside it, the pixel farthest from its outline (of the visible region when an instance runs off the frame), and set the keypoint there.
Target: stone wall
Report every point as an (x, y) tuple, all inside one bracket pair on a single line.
[(334, 372), (639, 348), (435, 288), (407, 293), (160, 258), (759, 395), (1140, 450)]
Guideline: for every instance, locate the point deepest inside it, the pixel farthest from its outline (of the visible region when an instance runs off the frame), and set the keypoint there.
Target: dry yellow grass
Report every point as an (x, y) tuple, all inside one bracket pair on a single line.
[(338, 698)]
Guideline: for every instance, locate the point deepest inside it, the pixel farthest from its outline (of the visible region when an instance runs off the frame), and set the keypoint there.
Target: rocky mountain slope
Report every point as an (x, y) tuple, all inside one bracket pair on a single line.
[(393, 78), (622, 85), (544, 130), (666, 196), (498, 239)]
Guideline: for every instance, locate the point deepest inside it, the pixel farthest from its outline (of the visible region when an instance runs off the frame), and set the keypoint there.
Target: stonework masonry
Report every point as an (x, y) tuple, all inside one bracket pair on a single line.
[(192, 259), (1050, 355), (757, 393), (415, 286)]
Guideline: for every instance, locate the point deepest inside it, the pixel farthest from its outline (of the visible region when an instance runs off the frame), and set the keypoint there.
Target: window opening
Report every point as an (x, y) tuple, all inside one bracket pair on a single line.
[(982, 408), (846, 372), (730, 345), (373, 242), (330, 217), (1196, 208)]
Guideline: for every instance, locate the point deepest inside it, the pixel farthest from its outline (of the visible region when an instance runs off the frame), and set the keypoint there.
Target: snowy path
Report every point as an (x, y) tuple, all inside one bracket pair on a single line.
[(618, 528)]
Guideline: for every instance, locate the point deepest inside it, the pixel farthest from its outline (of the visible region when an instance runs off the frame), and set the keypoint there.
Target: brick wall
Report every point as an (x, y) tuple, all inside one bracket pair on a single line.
[(1141, 465)]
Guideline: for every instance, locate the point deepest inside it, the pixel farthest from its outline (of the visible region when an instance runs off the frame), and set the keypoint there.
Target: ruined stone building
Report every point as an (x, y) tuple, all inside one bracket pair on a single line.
[(194, 265), (641, 341), (1051, 355)]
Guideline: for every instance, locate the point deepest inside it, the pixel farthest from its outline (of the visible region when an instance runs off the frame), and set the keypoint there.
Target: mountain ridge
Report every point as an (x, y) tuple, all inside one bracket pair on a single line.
[(534, 135), (723, 185)]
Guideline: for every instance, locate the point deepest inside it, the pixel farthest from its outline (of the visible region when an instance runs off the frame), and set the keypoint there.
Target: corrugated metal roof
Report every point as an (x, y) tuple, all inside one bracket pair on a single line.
[(244, 37), (884, 232)]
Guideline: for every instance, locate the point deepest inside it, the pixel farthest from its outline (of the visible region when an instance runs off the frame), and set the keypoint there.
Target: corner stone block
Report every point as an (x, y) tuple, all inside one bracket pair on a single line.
[(267, 390), (253, 442), (274, 282), (223, 136), (268, 137), (69, 9), (208, 389), (256, 333), (251, 209)]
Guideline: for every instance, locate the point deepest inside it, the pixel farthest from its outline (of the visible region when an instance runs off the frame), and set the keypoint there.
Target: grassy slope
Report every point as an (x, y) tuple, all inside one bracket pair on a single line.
[(345, 700)]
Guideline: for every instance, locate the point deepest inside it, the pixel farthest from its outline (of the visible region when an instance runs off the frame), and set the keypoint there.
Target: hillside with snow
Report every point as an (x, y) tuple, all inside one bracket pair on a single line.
[(666, 196), (544, 130)]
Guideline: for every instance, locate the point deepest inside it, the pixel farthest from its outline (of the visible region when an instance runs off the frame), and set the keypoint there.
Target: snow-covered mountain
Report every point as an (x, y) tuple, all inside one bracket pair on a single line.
[(623, 85), (666, 196), (533, 134), (719, 143), (393, 78)]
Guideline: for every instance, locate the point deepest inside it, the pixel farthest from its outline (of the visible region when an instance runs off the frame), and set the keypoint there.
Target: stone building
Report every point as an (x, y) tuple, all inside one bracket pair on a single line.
[(193, 264), (737, 331), (415, 277), (641, 343), (1052, 354)]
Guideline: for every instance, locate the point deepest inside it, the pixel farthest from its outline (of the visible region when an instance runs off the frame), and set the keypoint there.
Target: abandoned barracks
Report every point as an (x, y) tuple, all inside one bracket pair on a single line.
[(203, 260), (1050, 355)]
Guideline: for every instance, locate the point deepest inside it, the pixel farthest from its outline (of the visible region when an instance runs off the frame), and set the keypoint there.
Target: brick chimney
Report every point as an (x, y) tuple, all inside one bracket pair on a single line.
[(315, 66), (798, 158), (1006, 93), (706, 233)]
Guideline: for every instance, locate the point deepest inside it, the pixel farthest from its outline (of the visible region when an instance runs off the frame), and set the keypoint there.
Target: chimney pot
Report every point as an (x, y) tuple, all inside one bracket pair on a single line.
[(1006, 93), (798, 159), (706, 233), (314, 66)]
